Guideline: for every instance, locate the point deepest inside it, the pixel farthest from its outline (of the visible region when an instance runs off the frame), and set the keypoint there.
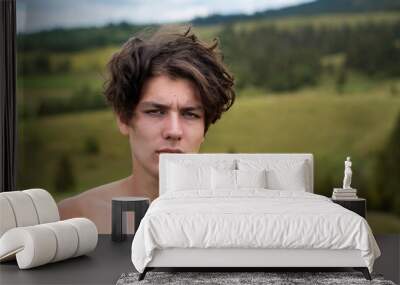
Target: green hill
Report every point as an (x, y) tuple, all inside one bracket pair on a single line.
[(77, 39), (319, 7), (329, 126)]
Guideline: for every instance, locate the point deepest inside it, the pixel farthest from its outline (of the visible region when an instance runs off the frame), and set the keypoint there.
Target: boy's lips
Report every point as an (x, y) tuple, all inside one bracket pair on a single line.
[(169, 150)]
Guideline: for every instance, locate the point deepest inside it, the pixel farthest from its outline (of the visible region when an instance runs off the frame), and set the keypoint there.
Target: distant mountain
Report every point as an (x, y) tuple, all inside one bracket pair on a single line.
[(313, 8)]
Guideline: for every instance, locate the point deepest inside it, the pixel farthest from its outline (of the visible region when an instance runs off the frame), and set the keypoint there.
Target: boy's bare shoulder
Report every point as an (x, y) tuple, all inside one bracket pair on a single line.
[(77, 206)]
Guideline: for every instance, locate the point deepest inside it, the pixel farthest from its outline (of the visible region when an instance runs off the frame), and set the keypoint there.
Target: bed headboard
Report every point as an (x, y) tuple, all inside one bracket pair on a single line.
[(215, 158)]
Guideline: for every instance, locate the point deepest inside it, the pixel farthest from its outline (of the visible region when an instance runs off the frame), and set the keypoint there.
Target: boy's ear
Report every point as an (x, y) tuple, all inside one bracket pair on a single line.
[(123, 128)]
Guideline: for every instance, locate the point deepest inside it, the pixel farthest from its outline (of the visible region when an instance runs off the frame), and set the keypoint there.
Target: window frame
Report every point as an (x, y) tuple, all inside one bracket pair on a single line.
[(8, 117)]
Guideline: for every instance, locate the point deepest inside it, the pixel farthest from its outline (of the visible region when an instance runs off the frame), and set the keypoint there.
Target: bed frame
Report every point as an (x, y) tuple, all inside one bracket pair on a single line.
[(247, 258), (243, 259)]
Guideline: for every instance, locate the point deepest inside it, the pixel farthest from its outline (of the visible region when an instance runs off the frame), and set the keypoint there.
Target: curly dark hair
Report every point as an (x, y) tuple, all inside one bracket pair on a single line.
[(177, 55)]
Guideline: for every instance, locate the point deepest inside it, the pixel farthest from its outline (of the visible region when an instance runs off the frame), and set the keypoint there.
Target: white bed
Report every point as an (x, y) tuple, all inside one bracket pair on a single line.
[(247, 210)]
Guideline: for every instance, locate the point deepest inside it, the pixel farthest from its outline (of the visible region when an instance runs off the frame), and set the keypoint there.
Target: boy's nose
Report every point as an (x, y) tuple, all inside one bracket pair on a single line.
[(173, 127)]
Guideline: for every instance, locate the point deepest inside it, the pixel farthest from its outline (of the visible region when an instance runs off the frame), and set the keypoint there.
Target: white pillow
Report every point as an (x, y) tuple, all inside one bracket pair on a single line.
[(251, 178), (281, 174), (292, 179), (181, 178), (223, 179)]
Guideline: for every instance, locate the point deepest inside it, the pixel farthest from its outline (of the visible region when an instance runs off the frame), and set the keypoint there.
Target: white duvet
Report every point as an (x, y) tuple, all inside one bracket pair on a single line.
[(250, 219)]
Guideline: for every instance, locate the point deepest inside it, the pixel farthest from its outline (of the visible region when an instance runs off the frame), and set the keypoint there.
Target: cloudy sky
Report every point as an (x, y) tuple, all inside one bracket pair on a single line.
[(34, 15)]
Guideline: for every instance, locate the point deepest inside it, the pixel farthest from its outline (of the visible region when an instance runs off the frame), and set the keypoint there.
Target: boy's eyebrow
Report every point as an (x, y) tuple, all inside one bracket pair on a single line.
[(193, 108), (151, 104)]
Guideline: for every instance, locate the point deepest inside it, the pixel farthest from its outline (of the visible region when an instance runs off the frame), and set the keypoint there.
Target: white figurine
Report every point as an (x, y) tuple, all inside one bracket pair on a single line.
[(347, 174)]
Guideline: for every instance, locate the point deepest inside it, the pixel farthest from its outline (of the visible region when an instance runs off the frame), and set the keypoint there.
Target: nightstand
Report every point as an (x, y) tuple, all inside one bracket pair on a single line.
[(358, 205)]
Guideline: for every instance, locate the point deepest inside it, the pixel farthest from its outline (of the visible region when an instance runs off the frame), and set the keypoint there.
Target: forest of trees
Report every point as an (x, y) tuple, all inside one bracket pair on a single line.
[(283, 60), (266, 57), (70, 40)]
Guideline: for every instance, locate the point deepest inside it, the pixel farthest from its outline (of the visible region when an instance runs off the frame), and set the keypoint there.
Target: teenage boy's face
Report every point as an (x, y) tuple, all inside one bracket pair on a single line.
[(168, 118)]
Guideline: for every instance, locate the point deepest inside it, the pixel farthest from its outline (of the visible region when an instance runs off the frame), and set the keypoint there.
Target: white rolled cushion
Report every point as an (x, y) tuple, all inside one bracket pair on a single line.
[(223, 179), (67, 239), (251, 178), (40, 244), (45, 205), (33, 245), (182, 178), (281, 174), (7, 218), (23, 208), (87, 234)]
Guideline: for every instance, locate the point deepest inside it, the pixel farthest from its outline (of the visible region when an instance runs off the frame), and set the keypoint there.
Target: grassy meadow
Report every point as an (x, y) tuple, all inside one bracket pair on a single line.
[(356, 122), (330, 126)]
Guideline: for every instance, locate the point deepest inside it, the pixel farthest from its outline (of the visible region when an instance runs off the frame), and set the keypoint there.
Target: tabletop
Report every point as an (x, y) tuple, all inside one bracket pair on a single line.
[(110, 259), (104, 265)]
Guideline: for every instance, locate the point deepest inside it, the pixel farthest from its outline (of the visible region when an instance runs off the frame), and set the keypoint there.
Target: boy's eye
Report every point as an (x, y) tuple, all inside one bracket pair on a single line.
[(155, 112), (191, 115)]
